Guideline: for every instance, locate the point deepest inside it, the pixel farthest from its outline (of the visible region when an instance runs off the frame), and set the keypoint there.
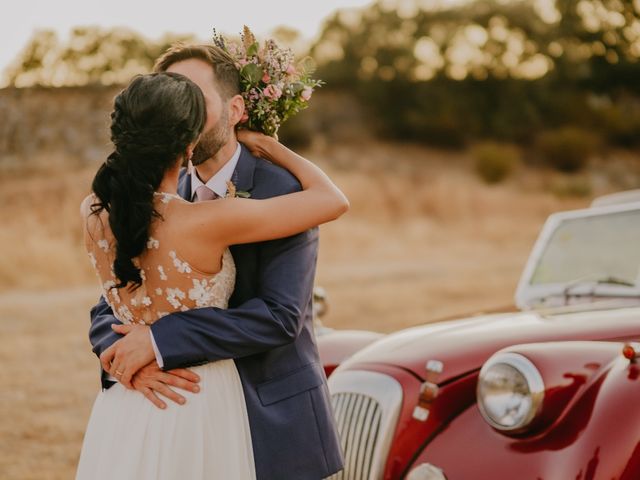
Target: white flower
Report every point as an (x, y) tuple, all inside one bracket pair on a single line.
[(103, 244), (183, 267), (153, 243), (163, 276), (146, 301), (200, 294), (134, 302), (125, 314), (143, 274), (110, 289), (174, 295), (93, 260), (158, 291)]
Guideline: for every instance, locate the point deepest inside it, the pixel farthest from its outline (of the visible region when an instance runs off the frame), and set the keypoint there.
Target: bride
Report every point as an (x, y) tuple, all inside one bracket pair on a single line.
[(155, 254)]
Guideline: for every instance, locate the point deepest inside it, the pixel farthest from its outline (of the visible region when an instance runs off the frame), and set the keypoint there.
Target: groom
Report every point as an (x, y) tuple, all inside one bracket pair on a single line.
[(268, 327)]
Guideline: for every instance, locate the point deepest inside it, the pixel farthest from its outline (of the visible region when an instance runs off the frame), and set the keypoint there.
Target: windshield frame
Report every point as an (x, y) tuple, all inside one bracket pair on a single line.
[(528, 295)]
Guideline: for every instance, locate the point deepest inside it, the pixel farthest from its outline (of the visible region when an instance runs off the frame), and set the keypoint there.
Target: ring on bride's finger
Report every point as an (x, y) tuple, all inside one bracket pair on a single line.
[(118, 372)]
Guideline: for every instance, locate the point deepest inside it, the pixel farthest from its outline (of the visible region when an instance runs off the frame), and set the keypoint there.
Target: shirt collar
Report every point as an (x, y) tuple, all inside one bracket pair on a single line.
[(217, 183)]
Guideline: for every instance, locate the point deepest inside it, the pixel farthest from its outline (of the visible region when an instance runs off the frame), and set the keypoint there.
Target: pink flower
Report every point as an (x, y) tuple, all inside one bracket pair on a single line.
[(291, 69), (306, 93), (273, 92), (266, 78), (242, 62)]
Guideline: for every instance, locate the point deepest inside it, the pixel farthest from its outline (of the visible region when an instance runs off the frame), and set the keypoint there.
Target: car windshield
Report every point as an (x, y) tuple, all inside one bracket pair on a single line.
[(592, 248)]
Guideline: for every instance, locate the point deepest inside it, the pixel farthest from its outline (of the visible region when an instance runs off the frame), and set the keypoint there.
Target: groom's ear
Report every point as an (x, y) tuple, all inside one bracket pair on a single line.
[(236, 109)]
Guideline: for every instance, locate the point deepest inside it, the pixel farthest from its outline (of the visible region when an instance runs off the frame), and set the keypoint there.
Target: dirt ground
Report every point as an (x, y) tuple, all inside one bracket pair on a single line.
[(425, 239)]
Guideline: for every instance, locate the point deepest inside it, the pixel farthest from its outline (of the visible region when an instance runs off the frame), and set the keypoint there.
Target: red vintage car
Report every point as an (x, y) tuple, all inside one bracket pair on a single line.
[(548, 392)]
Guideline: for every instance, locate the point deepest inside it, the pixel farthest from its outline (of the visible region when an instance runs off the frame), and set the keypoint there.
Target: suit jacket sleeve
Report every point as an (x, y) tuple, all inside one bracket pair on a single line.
[(101, 335), (272, 319)]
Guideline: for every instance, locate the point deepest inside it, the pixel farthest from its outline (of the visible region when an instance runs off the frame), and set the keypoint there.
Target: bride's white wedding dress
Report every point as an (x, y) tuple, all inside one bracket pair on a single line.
[(127, 436)]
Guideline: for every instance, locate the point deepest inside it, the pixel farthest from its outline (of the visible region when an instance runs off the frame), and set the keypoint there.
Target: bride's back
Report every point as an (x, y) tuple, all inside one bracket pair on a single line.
[(169, 282)]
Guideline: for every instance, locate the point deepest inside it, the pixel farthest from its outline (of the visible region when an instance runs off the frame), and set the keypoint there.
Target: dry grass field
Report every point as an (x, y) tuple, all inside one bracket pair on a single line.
[(425, 239)]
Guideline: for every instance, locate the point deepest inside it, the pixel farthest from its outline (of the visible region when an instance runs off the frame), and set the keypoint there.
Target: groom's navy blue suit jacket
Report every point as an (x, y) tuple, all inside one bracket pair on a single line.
[(268, 330)]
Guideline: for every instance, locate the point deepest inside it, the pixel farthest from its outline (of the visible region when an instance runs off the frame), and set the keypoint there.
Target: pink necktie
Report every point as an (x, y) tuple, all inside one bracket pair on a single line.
[(205, 193)]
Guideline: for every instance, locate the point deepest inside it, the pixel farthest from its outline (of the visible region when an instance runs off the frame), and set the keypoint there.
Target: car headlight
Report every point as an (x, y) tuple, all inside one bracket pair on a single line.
[(510, 391)]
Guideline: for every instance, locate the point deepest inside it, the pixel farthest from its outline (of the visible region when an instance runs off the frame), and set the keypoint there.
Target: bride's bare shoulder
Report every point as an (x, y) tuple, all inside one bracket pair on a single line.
[(85, 205), (93, 223)]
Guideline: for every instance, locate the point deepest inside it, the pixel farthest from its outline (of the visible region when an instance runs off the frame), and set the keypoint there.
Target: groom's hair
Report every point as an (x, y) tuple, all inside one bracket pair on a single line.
[(225, 72)]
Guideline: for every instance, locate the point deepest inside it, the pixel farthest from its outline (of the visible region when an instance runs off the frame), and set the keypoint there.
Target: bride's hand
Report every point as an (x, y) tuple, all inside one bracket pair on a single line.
[(257, 143), (126, 356)]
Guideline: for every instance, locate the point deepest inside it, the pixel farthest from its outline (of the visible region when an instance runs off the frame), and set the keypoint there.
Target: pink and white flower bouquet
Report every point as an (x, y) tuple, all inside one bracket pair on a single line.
[(273, 86)]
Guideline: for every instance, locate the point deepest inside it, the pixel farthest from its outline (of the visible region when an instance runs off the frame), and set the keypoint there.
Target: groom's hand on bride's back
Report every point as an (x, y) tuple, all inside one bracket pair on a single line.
[(151, 381)]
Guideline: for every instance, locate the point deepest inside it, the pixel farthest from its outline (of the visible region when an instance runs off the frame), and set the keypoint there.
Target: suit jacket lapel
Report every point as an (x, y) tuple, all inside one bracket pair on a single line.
[(184, 185), (243, 174)]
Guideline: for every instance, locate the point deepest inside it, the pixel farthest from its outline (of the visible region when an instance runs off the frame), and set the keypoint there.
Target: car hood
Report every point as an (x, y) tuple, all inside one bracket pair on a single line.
[(464, 345)]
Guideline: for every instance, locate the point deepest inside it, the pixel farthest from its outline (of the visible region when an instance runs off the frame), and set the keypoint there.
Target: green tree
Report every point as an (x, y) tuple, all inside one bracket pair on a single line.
[(488, 69), (90, 55)]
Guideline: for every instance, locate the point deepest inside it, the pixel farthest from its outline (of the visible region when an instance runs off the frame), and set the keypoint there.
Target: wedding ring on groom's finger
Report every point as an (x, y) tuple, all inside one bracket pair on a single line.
[(118, 373)]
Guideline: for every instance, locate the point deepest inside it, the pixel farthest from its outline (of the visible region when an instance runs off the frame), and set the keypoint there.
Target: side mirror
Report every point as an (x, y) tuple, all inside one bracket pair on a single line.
[(320, 309), (320, 305)]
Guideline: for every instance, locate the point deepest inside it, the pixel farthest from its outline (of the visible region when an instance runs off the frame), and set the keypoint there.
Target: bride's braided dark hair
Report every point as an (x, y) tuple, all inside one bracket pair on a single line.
[(153, 122)]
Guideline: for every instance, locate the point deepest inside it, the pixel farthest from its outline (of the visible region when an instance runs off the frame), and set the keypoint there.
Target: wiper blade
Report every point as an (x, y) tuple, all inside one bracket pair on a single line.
[(610, 280)]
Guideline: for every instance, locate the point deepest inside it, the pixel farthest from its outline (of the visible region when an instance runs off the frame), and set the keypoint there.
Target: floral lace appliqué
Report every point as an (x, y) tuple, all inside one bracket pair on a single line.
[(174, 295), (183, 267), (93, 260), (163, 276), (103, 244), (125, 314), (201, 293)]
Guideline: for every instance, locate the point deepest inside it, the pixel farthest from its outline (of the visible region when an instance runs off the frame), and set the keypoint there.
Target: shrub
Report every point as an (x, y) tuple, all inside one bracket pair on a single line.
[(621, 123), (296, 133), (574, 186), (495, 161), (567, 149)]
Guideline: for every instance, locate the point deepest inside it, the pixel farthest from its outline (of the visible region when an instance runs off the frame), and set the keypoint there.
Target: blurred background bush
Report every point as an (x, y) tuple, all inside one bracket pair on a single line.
[(494, 161)]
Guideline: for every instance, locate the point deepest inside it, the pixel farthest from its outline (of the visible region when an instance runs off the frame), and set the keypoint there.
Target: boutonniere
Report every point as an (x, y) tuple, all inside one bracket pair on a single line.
[(233, 192)]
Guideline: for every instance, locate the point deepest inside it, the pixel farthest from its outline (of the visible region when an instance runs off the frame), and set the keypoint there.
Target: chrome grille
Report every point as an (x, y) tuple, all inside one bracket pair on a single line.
[(358, 418), (366, 406)]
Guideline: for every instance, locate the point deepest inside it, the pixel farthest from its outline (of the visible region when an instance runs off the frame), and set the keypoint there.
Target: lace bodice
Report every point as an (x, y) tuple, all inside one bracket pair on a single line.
[(169, 283)]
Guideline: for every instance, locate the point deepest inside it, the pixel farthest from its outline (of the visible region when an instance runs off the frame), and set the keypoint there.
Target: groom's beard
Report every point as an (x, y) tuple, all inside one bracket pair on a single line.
[(213, 140)]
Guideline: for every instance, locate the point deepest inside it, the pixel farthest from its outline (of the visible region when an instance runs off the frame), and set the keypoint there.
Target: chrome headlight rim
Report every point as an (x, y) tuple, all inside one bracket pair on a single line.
[(532, 376)]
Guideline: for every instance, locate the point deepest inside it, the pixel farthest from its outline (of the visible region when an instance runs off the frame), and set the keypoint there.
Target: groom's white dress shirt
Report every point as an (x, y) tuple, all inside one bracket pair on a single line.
[(217, 183)]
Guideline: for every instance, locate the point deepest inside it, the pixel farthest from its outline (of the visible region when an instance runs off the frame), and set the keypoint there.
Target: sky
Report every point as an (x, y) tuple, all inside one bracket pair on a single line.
[(153, 18)]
